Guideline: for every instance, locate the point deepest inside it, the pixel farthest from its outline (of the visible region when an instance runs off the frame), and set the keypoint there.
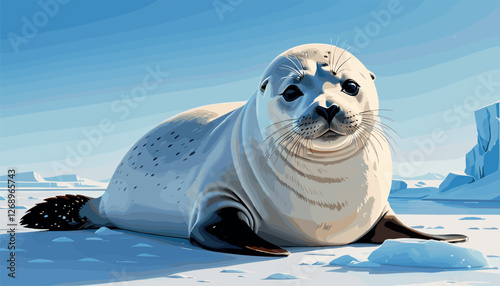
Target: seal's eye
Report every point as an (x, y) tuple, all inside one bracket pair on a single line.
[(291, 93), (350, 87)]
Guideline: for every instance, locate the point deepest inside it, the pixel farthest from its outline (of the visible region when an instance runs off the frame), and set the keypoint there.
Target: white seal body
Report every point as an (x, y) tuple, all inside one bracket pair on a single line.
[(328, 187)]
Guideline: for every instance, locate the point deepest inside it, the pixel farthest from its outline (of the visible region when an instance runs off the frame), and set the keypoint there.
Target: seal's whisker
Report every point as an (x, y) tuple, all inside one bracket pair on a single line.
[(367, 137), (365, 128), (279, 122), (281, 138), (290, 125), (357, 135), (293, 70), (372, 110), (333, 57), (284, 146), (293, 146), (350, 132), (371, 120), (387, 136), (300, 70), (341, 55), (287, 136), (377, 131), (380, 116), (337, 71)]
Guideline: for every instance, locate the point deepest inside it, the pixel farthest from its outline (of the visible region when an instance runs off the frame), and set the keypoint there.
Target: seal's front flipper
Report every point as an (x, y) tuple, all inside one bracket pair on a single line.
[(226, 231), (390, 227)]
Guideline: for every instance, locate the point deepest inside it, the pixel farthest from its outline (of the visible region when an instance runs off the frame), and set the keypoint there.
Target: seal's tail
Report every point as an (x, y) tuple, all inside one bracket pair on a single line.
[(58, 213)]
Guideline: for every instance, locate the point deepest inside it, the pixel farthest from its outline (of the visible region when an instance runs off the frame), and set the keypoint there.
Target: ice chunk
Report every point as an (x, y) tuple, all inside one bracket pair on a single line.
[(490, 228), (343, 260), (426, 253), (474, 228), (93, 238), (142, 245), (417, 226), (398, 185), (89, 259), (454, 180), (232, 271), (62, 239), (281, 276), (2, 198), (472, 218), (40, 261), (106, 231), (180, 276)]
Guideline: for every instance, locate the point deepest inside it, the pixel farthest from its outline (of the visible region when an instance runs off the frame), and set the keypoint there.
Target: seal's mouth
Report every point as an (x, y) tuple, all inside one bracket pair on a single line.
[(329, 134)]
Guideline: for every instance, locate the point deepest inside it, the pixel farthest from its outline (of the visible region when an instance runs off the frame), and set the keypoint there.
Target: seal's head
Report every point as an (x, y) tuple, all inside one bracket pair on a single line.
[(315, 100)]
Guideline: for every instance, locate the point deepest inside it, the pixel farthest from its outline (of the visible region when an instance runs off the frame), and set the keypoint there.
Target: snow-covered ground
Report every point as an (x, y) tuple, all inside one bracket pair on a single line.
[(117, 257)]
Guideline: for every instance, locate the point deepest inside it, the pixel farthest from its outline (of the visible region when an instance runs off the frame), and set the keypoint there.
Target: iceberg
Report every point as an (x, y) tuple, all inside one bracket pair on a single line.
[(426, 253), (454, 180), (484, 158)]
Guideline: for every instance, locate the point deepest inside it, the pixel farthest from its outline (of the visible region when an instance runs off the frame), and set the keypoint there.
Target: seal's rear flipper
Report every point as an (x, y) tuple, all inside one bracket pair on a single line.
[(225, 231), (64, 213), (390, 227)]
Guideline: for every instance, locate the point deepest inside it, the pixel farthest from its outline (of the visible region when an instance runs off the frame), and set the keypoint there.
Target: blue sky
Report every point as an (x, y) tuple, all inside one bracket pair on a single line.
[(75, 69)]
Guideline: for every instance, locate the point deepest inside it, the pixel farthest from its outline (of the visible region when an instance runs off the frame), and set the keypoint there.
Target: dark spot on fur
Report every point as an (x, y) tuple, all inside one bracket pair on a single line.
[(177, 153), (172, 132), (192, 153), (169, 146), (191, 140), (135, 187), (155, 158), (134, 148), (139, 153), (158, 138), (152, 175)]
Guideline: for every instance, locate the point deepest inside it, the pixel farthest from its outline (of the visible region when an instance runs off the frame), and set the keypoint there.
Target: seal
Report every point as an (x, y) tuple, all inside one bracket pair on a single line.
[(304, 162)]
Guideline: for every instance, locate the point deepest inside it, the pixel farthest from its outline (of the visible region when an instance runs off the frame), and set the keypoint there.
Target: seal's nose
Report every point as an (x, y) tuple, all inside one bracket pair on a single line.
[(328, 113)]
